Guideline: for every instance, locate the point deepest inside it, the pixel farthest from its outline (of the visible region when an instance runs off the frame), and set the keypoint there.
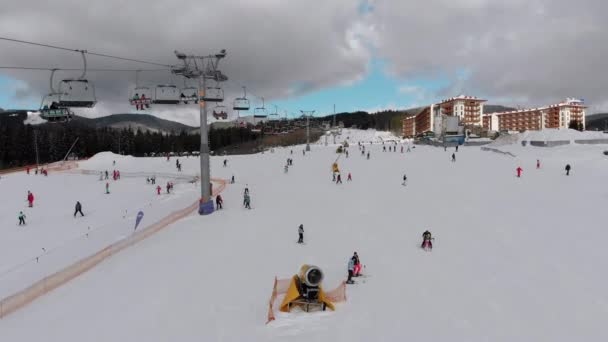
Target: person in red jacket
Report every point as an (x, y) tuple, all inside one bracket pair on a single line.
[(349, 178), (519, 170), (158, 189), (27, 170), (30, 198)]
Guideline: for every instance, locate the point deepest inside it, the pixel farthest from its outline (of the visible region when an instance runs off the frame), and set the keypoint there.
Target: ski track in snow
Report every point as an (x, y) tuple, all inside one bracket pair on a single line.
[(514, 259)]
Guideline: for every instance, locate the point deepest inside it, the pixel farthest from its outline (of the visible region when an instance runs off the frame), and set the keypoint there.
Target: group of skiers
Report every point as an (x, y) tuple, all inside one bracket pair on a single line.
[(519, 170), (354, 268), (30, 200), (42, 171)]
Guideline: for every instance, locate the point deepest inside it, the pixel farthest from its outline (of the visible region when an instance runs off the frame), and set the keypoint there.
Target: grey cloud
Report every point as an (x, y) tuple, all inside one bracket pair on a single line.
[(536, 51), (272, 45)]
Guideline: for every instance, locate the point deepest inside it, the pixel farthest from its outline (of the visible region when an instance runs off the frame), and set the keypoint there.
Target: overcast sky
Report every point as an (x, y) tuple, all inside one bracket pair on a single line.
[(310, 54)]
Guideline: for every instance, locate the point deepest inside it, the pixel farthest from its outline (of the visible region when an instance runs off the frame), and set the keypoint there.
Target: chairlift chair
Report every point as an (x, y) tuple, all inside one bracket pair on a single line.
[(260, 112), (188, 95), (241, 103), (220, 112), (51, 110), (166, 94), (141, 96), (214, 94)]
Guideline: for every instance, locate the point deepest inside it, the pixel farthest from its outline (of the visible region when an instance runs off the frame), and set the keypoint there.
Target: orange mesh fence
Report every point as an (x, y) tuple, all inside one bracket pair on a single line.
[(280, 287), (25, 296)]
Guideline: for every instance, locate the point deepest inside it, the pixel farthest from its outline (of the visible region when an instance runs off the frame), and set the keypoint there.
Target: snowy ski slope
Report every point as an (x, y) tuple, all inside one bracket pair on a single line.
[(514, 259)]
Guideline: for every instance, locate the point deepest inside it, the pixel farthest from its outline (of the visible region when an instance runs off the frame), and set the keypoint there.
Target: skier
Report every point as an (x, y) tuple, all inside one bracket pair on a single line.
[(246, 189), (168, 187), (426, 241), (537, 164), (453, 157), (113, 162), (247, 201), (333, 177), (27, 170), (158, 189), (445, 147), (346, 154), (349, 178), (351, 269), (401, 149), (301, 233), (456, 147), (232, 180), (368, 155), (30, 199), (225, 162), (107, 188), (106, 174), (303, 152), (147, 180), (21, 218), (339, 179), (219, 202), (78, 209), (291, 152), (383, 148), (357, 262), (519, 170), (567, 169), (404, 180), (286, 168)]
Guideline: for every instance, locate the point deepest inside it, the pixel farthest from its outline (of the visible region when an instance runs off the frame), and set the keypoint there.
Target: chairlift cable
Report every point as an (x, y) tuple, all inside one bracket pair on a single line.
[(82, 51)]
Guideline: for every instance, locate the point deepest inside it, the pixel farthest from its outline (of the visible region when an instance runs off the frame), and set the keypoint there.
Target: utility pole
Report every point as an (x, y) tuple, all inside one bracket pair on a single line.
[(307, 114), (202, 68), (36, 147)]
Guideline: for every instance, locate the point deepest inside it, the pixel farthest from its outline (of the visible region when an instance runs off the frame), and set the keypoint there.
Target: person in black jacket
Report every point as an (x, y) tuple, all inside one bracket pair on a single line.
[(567, 169), (78, 209), (301, 233)]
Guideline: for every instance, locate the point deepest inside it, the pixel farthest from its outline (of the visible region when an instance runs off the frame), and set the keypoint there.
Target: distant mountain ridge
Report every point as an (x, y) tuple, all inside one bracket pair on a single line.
[(135, 121)]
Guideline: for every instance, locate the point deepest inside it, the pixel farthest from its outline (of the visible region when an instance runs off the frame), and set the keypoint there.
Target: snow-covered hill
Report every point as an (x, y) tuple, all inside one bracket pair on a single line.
[(515, 259)]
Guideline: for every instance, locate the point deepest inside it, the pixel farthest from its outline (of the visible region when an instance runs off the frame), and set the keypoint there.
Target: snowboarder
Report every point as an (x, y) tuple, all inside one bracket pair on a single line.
[(247, 201), (349, 178), (219, 202), (107, 188), (351, 270), (301, 233), (357, 264), (21, 218), (453, 157), (404, 180), (78, 209), (568, 169), (339, 179), (519, 170), (537, 163), (426, 241), (158, 189), (30, 199)]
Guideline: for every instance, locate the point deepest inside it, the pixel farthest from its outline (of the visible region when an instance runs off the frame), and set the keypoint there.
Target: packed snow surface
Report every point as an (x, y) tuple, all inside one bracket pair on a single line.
[(514, 259)]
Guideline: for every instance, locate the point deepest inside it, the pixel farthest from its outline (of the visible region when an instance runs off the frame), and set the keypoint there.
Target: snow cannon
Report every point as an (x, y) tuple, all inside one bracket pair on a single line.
[(334, 168), (305, 291)]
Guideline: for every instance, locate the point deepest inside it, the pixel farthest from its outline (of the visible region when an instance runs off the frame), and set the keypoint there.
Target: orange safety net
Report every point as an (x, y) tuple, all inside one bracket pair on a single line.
[(280, 287), (20, 299)]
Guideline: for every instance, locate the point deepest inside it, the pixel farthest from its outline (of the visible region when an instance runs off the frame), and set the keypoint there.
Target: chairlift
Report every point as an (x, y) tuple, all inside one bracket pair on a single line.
[(51, 111), (76, 92), (166, 94), (260, 112), (220, 112), (188, 94), (140, 96), (213, 94), (241, 103)]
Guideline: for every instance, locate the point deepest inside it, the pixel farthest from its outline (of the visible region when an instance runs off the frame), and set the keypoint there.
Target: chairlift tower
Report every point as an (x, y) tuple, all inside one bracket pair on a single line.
[(202, 68), (307, 114)]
